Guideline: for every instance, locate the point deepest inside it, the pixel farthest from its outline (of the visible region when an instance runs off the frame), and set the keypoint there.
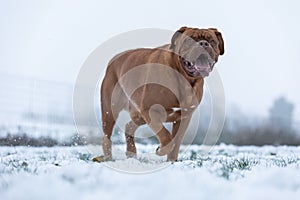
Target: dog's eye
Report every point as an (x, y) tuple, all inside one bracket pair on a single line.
[(212, 42)]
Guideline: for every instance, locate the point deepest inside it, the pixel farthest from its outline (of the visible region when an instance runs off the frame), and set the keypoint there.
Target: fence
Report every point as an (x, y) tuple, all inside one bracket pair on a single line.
[(34, 106)]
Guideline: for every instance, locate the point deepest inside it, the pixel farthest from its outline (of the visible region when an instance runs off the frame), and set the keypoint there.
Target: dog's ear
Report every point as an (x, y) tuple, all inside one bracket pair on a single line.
[(176, 35), (220, 39)]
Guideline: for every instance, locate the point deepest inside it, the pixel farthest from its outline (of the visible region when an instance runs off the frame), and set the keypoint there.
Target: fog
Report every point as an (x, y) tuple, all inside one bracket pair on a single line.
[(49, 41)]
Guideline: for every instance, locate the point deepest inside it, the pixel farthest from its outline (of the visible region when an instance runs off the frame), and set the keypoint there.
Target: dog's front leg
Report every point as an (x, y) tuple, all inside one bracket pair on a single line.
[(178, 131), (155, 117)]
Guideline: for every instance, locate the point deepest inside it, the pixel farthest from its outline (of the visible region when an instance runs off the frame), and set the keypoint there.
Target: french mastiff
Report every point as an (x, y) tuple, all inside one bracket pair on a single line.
[(181, 66)]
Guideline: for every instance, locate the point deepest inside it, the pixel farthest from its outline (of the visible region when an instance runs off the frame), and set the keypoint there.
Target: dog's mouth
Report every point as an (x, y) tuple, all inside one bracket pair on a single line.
[(201, 67)]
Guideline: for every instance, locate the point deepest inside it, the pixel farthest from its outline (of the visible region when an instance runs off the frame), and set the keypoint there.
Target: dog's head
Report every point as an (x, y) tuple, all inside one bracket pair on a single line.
[(198, 49)]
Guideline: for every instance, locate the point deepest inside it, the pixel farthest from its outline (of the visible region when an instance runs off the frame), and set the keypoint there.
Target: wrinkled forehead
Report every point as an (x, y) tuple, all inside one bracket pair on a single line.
[(200, 34)]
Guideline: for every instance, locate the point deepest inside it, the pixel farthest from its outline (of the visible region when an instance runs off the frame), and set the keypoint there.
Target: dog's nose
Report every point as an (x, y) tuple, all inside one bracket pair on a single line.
[(204, 43)]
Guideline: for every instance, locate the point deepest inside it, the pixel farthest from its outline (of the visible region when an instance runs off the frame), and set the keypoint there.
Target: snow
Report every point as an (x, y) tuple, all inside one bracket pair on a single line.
[(226, 172)]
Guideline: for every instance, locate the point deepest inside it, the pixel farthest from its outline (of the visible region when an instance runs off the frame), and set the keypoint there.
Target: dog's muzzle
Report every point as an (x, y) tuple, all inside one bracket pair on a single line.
[(201, 66)]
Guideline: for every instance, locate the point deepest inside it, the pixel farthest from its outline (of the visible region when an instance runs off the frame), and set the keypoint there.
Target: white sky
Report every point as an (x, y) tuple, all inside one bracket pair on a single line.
[(51, 39)]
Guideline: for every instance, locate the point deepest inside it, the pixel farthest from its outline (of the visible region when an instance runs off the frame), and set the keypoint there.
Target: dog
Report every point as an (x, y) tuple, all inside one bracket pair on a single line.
[(157, 85)]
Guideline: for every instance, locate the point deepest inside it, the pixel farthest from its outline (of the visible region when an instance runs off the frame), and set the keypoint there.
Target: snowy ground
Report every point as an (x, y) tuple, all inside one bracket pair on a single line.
[(227, 172)]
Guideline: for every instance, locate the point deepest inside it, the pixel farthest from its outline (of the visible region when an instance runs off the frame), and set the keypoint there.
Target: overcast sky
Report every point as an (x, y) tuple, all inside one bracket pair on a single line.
[(51, 39)]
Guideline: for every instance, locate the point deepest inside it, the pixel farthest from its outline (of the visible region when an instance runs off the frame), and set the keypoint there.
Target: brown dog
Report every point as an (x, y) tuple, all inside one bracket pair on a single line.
[(158, 85)]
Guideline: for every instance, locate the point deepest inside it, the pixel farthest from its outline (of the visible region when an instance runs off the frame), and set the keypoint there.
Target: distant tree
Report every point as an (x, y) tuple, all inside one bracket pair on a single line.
[(281, 114)]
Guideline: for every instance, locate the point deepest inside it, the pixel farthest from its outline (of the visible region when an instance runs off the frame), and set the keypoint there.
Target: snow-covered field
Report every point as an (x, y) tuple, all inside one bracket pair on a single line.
[(226, 172)]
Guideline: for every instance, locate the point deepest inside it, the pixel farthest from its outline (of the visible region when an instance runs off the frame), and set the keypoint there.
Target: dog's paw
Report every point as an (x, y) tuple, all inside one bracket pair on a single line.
[(130, 154), (101, 159), (172, 160), (161, 151)]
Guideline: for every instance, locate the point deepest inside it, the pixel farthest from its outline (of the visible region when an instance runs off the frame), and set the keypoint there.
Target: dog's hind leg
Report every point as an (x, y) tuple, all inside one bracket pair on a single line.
[(110, 110), (129, 135), (131, 127), (108, 123), (107, 126)]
